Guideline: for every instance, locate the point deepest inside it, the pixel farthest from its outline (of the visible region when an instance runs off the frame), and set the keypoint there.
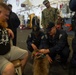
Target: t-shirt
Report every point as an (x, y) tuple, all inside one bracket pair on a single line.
[(4, 41)]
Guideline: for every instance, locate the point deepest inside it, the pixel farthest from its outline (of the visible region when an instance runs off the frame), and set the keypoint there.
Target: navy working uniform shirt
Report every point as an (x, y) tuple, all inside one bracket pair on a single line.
[(4, 41), (56, 43), (35, 39)]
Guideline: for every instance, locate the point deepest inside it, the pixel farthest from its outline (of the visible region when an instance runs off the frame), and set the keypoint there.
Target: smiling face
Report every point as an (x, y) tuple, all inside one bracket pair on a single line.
[(4, 16)]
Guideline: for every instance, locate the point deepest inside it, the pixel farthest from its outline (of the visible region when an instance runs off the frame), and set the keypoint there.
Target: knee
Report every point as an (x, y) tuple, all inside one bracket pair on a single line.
[(26, 54), (9, 69)]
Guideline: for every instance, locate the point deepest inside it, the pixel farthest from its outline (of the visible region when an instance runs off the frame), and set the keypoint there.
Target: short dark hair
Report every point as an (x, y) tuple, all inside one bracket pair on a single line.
[(5, 6), (51, 24), (10, 5), (45, 2)]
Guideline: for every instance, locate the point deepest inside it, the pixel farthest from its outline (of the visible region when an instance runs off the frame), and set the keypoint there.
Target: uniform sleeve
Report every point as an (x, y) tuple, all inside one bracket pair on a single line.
[(29, 40), (72, 5), (60, 44), (56, 14), (44, 43), (43, 19)]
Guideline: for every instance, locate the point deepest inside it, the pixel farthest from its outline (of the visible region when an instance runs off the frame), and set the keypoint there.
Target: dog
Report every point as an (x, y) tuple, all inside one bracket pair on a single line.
[(40, 64)]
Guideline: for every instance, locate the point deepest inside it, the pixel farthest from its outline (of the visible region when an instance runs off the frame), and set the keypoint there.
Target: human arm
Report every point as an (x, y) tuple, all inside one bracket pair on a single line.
[(34, 46), (57, 13), (43, 20), (10, 33), (44, 51), (49, 58), (30, 42)]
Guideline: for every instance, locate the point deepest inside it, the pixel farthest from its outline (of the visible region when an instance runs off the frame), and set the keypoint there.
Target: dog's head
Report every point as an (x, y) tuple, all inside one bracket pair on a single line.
[(37, 55)]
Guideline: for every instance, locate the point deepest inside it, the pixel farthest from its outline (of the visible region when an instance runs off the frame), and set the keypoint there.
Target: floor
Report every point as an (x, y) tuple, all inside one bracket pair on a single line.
[(56, 68)]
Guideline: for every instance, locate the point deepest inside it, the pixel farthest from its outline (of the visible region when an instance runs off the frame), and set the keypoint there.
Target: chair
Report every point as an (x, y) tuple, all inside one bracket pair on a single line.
[(17, 65)]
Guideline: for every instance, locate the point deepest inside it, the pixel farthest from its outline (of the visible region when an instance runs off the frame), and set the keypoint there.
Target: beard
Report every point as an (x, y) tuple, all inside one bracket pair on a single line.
[(3, 24)]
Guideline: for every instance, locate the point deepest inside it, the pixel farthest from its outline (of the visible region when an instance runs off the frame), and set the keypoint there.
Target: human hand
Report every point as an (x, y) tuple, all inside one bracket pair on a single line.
[(44, 51), (34, 47), (10, 33), (49, 59)]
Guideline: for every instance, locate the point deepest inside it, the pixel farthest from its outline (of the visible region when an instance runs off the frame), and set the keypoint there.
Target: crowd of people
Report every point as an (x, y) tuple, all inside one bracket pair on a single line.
[(52, 41)]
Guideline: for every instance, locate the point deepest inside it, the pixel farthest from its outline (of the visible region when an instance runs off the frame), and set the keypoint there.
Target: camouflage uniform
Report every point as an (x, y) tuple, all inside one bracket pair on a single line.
[(49, 16)]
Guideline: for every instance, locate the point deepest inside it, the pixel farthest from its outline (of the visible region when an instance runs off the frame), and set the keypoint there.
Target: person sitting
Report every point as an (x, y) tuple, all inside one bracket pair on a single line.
[(8, 52)]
